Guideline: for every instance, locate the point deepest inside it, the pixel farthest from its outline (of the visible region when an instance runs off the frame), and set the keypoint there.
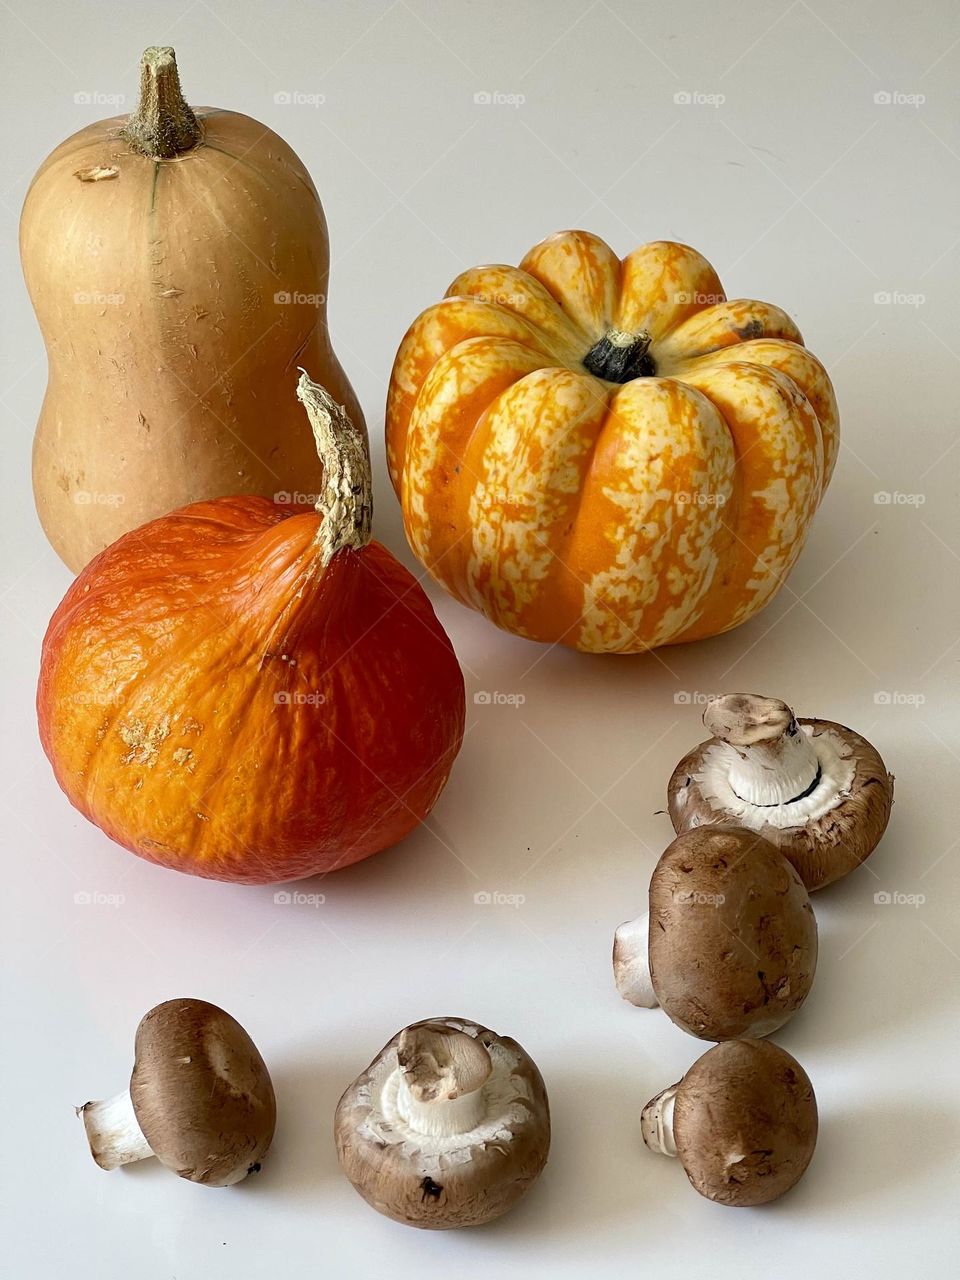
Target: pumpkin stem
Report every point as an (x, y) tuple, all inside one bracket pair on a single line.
[(346, 502), (163, 126), (620, 357)]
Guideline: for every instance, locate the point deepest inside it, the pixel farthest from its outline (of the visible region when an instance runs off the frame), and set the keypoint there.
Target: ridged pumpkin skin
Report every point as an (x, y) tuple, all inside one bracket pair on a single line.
[(610, 516), (218, 703), (170, 361)]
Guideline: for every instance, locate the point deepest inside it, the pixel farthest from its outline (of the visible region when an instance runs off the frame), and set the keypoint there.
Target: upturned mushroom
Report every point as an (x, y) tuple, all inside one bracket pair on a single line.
[(448, 1127), (743, 1122), (729, 946), (200, 1098), (815, 789)]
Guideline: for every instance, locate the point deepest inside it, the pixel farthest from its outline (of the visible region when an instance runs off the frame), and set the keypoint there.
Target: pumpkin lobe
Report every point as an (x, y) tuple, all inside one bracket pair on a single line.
[(620, 357)]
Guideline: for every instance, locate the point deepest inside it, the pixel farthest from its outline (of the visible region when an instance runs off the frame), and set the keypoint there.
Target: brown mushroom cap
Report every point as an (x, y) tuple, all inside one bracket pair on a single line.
[(827, 832), (201, 1092), (733, 938), (428, 1181), (745, 1122)]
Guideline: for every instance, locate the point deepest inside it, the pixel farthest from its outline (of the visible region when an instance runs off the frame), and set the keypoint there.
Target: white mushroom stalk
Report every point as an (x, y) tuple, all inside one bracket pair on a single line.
[(772, 762), (114, 1135), (442, 1074), (765, 769), (631, 962), (656, 1122)]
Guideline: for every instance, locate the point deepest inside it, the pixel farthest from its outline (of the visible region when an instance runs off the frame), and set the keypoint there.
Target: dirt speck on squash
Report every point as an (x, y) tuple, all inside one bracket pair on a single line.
[(144, 741), (97, 173)]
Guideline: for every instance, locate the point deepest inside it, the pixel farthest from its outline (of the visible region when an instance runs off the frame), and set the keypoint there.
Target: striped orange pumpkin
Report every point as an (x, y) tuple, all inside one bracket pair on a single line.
[(608, 455)]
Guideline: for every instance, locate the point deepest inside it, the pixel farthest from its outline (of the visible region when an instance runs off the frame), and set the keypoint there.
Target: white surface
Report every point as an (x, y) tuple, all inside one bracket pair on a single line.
[(801, 189)]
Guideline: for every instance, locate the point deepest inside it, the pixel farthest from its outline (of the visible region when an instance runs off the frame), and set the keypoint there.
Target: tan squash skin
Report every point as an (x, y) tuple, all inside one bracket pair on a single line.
[(176, 382)]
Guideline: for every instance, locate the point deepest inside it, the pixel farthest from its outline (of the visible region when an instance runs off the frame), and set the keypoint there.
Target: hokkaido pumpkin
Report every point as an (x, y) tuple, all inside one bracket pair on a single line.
[(252, 693), (608, 455), (177, 262)]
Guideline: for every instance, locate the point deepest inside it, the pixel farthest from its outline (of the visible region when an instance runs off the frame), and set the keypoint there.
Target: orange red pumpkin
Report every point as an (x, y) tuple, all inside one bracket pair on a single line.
[(608, 454), (252, 693)]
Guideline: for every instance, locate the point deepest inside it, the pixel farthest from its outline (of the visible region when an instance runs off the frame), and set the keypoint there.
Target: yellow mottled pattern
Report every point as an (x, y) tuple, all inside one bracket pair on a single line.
[(611, 517)]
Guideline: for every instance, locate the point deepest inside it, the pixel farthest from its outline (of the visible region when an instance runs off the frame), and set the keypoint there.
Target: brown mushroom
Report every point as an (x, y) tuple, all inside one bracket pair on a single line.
[(729, 947), (448, 1127), (815, 789), (743, 1122), (200, 1098)]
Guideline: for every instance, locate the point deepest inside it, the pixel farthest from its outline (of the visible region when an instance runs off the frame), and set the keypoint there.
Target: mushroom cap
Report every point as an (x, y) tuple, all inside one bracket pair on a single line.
[(745, 1122), (733, 938), (458, 1181), (827, 835), (201, 1092)]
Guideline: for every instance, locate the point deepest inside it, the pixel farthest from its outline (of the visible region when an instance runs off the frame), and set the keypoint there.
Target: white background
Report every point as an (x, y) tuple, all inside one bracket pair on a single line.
[(801, 189)]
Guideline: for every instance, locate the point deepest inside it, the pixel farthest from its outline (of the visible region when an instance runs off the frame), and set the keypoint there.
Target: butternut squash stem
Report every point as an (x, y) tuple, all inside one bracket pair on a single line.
[(620, 357), (346, 500), (163, 126)]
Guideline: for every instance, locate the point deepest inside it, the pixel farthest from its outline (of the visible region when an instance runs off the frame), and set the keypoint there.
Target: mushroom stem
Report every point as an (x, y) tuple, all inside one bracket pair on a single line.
[(631, 962), (114, 1135), (772, 761), (656, 1122), (442, 1074)]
